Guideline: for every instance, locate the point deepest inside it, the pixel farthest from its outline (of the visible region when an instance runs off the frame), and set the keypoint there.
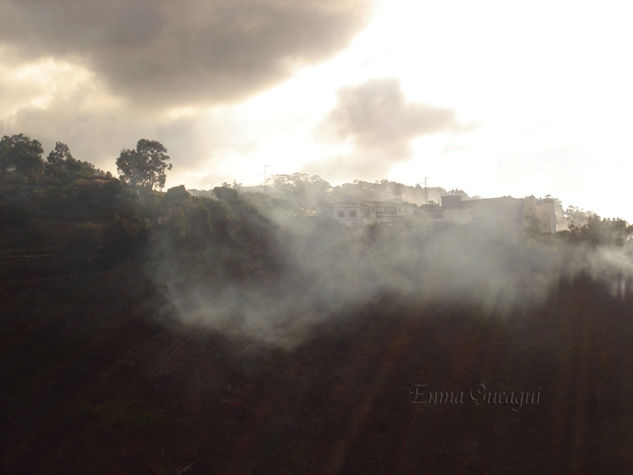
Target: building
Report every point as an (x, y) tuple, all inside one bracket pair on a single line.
[(505, 214), (348, 212), (358, 213)]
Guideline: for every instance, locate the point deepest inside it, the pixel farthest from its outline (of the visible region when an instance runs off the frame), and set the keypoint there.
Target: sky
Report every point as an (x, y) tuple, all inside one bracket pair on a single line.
[(493, 97)]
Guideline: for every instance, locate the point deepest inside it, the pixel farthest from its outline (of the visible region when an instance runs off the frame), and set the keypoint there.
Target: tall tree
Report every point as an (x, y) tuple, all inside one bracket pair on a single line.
[(61, 164), (59, 154), (21, 156), (145, 166)]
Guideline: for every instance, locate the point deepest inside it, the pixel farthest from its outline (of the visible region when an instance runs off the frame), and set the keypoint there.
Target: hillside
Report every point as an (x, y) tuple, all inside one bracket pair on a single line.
[(149, 332), (97, 381)]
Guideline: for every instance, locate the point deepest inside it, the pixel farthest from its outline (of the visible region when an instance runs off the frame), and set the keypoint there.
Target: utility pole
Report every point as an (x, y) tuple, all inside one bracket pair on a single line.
[(265, 166)]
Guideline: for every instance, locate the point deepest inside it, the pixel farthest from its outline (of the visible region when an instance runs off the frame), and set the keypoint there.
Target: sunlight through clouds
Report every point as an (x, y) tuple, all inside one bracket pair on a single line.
[(539, 85)]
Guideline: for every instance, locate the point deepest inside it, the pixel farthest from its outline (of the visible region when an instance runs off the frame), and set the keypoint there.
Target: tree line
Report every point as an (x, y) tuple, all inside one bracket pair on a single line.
[(145, 166), (21, 160)]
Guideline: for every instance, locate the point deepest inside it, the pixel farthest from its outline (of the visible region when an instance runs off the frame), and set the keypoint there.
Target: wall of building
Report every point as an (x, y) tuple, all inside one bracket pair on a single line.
[(347, 213), (368, 212), (546, 216), (509, 215), (505, 213)]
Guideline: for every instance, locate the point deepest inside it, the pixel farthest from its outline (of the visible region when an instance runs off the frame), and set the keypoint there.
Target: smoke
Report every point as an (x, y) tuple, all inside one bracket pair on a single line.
[(325, 270), (379, 121), (610, 265)]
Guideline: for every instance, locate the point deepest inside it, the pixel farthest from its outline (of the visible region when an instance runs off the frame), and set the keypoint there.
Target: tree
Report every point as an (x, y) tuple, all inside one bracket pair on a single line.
[(62, 165), (21, 156), (59, 154), (145, 166), (578, 217), (302, 189), (597, 231)]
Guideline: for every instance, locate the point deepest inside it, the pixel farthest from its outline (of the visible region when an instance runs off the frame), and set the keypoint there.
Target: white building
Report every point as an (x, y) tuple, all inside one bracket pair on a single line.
[(505, 214), (348, 212), (357, 213)]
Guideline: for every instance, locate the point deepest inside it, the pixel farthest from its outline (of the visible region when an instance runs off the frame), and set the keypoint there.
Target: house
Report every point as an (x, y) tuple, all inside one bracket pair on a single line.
[(357, 213), (348, 212), (505, 213)]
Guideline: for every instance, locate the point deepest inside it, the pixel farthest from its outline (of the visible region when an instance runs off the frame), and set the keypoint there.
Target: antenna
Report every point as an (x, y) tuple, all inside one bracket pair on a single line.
[(426, 191)]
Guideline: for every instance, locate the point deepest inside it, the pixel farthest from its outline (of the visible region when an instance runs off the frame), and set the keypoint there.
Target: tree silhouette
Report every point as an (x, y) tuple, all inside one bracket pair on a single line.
[(62, 165), (21, 156), (145, 166)]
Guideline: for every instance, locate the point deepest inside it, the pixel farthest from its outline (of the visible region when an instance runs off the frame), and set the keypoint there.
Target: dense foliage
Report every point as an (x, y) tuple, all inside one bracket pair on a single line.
[(144, 166)]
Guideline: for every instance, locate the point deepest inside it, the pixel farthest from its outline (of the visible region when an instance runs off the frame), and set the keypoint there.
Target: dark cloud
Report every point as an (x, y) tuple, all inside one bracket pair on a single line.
[(379, 121), (54, 101), (165, 52)]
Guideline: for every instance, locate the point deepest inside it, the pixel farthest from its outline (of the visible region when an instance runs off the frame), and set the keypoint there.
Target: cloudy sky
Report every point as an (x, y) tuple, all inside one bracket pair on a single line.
[(493, 97)]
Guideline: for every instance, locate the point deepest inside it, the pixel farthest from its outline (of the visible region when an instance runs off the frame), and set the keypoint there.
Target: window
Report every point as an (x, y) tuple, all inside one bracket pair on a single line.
[(352, 214), (341, 214)]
